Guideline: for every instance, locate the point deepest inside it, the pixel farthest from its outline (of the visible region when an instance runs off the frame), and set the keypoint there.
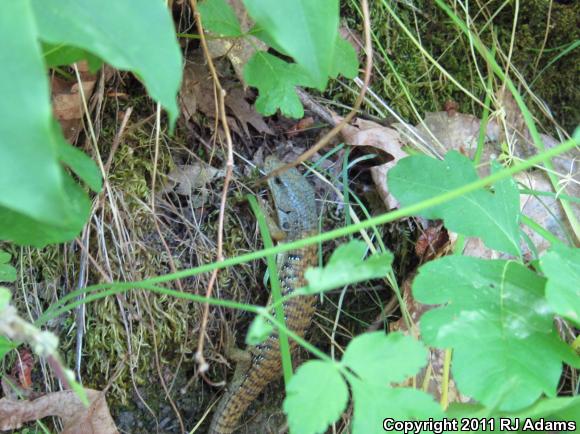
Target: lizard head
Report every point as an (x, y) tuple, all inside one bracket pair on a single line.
[(293, 199)]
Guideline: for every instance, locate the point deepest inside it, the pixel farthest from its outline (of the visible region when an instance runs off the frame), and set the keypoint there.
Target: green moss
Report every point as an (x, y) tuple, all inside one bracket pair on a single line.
[(429, 89)]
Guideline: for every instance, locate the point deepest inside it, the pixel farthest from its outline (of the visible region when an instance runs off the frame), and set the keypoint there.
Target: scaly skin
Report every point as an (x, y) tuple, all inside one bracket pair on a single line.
[(296, 209)]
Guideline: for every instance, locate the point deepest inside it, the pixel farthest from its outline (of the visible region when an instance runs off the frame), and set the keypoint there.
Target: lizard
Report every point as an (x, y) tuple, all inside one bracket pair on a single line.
[(294, 203)]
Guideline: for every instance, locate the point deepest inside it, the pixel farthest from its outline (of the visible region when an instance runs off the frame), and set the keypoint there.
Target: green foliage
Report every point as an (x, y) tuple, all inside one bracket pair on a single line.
[(276, 81), (347, 266), (219, 17), (562, 268), (370, 364), (497, 321), (141, 39), (7, 271), (305, 31), (316, 385), (5, 344), (492, 216), (40, 201)]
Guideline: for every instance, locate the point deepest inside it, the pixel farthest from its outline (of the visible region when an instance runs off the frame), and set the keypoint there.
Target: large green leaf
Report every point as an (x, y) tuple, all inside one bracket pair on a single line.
[(218, 17), (316, 385), (276, 81), (561, 266), (491, 216), (373, 404), (306, 30), (7, 271), (382, 359), (39, 201), (141, 39), (30, 175), (506, 351)]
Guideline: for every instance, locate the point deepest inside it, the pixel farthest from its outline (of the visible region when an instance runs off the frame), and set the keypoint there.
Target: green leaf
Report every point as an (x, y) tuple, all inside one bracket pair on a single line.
[(57, 55), (5, 296), (39, 201), (6, 346), (316, 385), (7, 271), (276, 81), (259, 330), (491, 216), (306, 30), (497, 322), (218, 17), (373, 403), (384, 359), (141, 39), (345, 61), (79, 162), (346, 266), (550, 409), (561, 266)]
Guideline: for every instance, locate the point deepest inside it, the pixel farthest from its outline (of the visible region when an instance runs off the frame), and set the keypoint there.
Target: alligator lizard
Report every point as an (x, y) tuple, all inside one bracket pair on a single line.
[(296, 211)]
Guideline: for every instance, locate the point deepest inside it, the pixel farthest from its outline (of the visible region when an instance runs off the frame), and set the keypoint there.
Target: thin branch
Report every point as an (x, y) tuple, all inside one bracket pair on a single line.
[(203, 365)]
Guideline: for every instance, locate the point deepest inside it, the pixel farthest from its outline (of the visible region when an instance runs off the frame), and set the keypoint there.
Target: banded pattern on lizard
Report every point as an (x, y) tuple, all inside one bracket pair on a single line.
[(296, 211)]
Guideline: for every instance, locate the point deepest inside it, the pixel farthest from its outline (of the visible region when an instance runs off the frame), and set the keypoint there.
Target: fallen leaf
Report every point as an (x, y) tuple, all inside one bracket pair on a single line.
[(301, 125), (22, 369), (190, 177), (377, 137), (513, 130), (197, 90), (76, 418), (67, 102), (245, 113)]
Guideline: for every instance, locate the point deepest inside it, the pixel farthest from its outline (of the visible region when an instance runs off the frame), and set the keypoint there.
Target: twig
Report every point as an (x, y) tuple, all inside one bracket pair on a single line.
[(203, 366), (171, 265), (367, 77)]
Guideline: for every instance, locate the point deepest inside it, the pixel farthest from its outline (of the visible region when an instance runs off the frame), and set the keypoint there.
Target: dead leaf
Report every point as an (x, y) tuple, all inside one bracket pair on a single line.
[(67, 102), (197, 90), (444, 131), (302, 125), (387, 141), (190, 177), (76, 418), (245, 113), (513, 130)]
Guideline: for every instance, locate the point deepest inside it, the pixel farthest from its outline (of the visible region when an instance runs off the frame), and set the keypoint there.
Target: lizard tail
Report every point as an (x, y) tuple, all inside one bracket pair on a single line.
[(236, 400)]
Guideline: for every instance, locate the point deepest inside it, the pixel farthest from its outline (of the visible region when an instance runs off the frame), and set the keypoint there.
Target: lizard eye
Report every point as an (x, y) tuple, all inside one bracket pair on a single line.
[(277, 181), (285, 226)]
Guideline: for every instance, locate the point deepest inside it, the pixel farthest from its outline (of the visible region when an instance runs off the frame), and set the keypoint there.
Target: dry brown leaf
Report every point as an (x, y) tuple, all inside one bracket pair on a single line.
[(76, 418), (377, 137), (197, 94), (513, 129), (245, 113), (67, 103), (302, 125), (444, 131), (197, 91)]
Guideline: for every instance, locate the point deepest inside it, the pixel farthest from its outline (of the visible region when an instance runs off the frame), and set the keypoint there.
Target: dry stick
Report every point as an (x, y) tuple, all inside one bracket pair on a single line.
[(117, 140), (203, 366), (171, 265), (367, 77)]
